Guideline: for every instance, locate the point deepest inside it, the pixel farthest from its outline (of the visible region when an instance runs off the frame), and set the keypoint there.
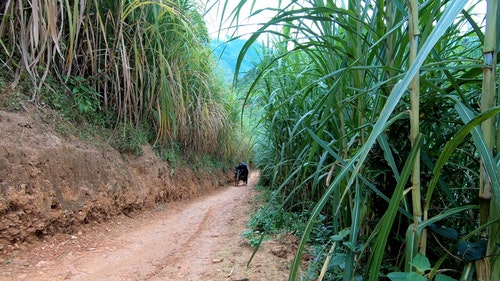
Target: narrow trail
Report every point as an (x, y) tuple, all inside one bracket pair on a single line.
[(195, 240)]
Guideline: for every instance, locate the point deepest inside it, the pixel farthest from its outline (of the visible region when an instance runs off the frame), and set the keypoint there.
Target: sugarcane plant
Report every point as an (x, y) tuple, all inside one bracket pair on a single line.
[(369, 115), (139, 63)]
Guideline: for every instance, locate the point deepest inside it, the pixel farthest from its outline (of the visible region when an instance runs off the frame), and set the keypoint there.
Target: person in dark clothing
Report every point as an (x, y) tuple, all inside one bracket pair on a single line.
[(241, 173)]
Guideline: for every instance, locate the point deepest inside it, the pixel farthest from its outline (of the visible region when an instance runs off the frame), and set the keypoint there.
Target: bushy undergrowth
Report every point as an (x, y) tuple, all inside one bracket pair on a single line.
[(76, 101), (270, 218), (126, 138)]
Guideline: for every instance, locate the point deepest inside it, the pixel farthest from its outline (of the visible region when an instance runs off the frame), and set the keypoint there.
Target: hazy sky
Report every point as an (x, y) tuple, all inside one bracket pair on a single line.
[(214, 14)]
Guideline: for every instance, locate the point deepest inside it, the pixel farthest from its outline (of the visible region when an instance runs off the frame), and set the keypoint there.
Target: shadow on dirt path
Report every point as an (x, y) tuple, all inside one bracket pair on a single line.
[(198, 239)]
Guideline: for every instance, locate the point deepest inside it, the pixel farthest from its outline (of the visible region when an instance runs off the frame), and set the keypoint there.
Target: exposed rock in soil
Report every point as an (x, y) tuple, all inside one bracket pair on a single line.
[(50, 183)]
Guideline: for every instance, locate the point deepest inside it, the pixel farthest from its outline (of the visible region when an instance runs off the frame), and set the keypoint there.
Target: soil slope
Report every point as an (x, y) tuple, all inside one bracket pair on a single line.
[(51, 183), (71, 210)]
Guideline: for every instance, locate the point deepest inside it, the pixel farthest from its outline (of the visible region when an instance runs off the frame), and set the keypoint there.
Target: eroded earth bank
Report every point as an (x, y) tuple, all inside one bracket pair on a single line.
[(198, 239), (70, 210)]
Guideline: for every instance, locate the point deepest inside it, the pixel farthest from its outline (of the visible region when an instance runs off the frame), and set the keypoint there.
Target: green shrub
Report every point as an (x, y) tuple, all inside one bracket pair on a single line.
[(129, 139)]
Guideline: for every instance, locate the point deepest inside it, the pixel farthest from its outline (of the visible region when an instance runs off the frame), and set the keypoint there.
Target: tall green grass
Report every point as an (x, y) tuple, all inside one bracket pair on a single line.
[(148, 61), (355, 98)]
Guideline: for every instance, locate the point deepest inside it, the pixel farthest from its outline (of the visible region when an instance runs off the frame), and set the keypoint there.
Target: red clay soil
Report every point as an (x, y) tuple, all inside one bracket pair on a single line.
[(79, 210), (198, 239)]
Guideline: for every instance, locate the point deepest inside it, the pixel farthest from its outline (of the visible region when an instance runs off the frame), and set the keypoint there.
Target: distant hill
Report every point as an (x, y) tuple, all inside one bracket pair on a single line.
[(226, 54)]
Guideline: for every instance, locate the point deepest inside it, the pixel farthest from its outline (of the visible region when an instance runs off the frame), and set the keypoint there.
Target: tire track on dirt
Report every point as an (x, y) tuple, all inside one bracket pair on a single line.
[(184, 247), (179, 242)]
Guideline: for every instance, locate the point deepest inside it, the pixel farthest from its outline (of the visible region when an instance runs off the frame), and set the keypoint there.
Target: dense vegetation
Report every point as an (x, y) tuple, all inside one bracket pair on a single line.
[(378, 122), (141, 68), (375, 122)]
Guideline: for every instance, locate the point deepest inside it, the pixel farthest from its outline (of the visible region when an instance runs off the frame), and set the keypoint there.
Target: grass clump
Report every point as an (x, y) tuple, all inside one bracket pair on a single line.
[(129, 139), (271, 219)]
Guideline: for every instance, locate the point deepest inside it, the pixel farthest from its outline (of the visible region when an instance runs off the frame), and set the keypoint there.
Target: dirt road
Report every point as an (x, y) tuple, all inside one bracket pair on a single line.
[(198, 239)]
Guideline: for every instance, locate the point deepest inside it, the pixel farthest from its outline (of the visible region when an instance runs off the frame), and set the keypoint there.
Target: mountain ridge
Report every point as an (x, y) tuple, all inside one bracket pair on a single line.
[(226, 55)]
